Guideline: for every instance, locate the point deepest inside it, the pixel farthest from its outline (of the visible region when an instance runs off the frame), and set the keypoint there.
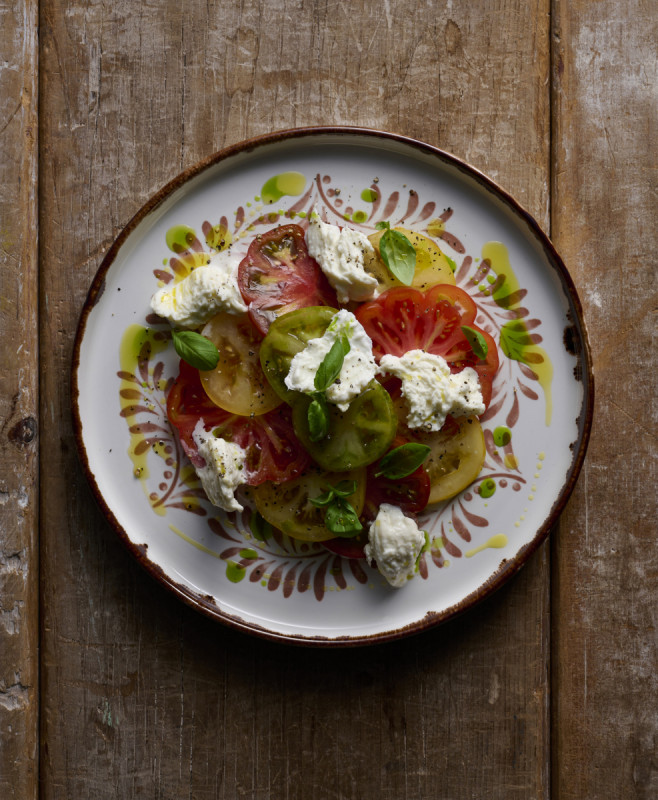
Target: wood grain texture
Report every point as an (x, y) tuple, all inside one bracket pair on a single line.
[(140, 696), (19, 353), (606, 567)]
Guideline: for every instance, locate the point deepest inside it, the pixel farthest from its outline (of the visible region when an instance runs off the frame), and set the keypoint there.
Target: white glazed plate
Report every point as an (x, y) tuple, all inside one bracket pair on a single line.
[(288, 590)]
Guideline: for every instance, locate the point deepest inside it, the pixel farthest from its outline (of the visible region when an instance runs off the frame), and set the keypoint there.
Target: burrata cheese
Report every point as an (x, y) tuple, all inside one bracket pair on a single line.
[(358, 369), (203, 293), (341, 254), (431, 391), (394, 544)]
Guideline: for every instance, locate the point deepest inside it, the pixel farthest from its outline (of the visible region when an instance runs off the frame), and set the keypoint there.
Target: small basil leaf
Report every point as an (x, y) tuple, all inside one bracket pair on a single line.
[(318, 418), (399, 256), (345, 488), (383, 226), (341, 519), (331, 365), (476, 340), (323, 499), (260, 527), (195, 349), (402, 461)]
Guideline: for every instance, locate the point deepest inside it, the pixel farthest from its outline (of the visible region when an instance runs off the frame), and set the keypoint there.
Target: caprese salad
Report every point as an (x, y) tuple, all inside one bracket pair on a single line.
[(335, 381)]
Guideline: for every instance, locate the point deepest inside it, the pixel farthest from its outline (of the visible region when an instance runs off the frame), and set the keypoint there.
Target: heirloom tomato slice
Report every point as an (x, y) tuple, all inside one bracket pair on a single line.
[(237, 383), (278, 275), (456, 456), (432, 267), (288, 507), (404, 318), (410, 493), (287, 335), (273, 451), (355, 437)]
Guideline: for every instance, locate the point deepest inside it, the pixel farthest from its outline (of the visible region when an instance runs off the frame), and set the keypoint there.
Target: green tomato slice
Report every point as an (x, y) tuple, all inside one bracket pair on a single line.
[(287, 335), (356, 437), (288, 505)]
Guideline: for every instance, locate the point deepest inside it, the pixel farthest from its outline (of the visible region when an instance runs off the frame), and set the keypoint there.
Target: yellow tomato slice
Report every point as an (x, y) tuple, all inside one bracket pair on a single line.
[(432, 267), (238, 383), (455, 460), (287, 506)]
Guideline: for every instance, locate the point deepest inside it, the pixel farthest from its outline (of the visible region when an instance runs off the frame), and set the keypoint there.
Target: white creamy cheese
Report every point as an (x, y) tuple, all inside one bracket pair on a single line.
[(341, 255), (203, 293), (225, 468), (431, 391), (394, 543), (358, 369)]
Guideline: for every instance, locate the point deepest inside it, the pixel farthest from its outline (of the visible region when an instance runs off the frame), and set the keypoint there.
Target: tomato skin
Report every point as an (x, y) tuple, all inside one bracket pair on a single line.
[(278, 275), (403, 319), (273, 451)]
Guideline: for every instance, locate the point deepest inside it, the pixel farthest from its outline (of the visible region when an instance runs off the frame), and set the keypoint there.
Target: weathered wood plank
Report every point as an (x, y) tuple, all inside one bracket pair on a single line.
[(19, 353), (605, 563), (140, 695)]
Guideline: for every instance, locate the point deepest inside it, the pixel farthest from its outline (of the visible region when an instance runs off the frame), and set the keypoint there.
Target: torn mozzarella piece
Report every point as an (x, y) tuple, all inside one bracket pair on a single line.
[(225, 468), (341, 255), (394, 543), (431, 390), (203, 293), (358, 368)]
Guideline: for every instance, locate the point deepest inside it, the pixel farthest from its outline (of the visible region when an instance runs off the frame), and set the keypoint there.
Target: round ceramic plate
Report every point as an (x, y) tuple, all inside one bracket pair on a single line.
[(536, 428)]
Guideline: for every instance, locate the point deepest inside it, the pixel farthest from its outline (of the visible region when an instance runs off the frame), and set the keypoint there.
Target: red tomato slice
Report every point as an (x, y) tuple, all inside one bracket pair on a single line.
[(278, 275), (411, 494), (348, 548), (403, 319), (273, 451)]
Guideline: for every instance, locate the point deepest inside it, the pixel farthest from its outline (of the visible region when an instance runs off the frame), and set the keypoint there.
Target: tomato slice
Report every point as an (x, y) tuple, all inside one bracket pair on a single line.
[(411, 494), (287, 506), (348, 548), (273, 451), (287, 335), (432, 267), (237, 384), (403, 319), (278, 275), (355, 437), (456, 456)]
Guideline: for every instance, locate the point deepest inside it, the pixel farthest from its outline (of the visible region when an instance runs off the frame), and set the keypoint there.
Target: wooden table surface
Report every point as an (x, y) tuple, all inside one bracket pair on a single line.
[(109, 686)]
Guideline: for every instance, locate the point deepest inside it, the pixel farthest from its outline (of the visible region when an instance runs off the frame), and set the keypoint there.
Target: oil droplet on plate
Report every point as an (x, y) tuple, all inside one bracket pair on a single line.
[(498, 541)]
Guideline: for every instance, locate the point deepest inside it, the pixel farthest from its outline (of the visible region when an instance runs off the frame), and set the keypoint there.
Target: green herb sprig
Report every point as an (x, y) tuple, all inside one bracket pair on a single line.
[(397, 253), (195, 349), (339, 517)]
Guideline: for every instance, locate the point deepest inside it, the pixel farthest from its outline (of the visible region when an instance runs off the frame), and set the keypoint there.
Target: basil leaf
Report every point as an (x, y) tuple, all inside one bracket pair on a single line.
[(341, 519), (318, 418), (345, 488), (402, 461), (195, 349), (323, 499), (331, 364), (260, 527), (383, 226), (476, 340), (399, 256)]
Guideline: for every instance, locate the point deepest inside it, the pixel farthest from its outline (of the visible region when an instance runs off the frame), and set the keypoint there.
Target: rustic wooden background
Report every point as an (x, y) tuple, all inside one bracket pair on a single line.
[(109, 687)]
